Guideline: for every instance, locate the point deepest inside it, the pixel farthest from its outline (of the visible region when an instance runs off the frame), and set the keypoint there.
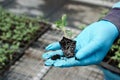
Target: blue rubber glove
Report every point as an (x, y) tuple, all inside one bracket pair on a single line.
[(108, 75), (117, 5), (92, 45)]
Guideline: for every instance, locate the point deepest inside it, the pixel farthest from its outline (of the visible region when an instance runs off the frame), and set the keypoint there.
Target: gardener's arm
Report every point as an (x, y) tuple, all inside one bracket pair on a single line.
[(114, 15)]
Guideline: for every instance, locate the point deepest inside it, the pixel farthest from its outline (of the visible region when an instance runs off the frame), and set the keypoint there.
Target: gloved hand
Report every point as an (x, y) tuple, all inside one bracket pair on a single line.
[(108, 75), (92, 45), (117, 5)]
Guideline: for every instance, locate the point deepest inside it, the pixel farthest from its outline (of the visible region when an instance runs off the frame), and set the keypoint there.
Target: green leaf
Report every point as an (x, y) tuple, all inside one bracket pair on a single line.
[(6, 46), (119, 65), (64, 20)]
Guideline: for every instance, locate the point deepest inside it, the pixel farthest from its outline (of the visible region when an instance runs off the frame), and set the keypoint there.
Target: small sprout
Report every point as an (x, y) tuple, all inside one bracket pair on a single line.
[(67, 45), (61, 24)]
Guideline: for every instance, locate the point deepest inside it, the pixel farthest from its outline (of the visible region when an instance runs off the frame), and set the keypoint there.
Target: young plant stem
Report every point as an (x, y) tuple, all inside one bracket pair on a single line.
[(64, 32)]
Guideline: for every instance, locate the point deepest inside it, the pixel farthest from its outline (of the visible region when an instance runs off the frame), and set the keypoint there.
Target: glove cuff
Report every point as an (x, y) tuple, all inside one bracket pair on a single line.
[(114, 17)]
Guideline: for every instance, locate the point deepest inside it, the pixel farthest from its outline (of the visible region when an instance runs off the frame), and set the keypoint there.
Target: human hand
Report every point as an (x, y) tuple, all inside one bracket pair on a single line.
[(92, 45)]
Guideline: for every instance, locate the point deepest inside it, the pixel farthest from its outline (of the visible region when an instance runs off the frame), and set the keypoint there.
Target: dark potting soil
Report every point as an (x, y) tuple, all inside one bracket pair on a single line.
[(55, 57), (68, 48)]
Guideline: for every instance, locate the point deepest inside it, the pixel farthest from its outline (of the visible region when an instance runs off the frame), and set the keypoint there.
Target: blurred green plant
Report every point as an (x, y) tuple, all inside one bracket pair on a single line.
[(103, 13), (115, 49), (61, 25), (82, 26), (14, 31)]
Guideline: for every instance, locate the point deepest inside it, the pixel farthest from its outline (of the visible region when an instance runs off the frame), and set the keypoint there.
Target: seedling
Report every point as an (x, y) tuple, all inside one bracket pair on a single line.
[(61, 25), (67, 45)]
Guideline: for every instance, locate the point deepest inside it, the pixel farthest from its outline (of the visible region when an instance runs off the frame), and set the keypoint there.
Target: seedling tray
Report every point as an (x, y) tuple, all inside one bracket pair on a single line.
[(110, 67), (110, 64), (44, 27), (111, 60)]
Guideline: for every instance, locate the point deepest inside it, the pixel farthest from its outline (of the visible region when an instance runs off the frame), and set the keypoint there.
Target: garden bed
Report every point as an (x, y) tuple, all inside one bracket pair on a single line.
[(17, 33)]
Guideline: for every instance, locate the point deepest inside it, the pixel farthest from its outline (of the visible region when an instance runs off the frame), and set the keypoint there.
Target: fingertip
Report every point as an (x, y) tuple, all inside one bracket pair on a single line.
[(49, 62), (47, 55), (48, 47), (53, 46), (44, 56), (79, 56)]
